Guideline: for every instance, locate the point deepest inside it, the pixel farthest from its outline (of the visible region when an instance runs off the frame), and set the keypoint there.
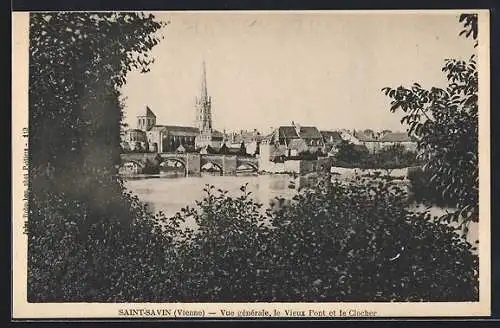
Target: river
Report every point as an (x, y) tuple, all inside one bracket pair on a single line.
[(170, 193)]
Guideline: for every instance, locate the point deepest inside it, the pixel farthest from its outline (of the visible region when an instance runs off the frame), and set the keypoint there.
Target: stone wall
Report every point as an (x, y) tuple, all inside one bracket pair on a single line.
[(193, 165), (351, 171)]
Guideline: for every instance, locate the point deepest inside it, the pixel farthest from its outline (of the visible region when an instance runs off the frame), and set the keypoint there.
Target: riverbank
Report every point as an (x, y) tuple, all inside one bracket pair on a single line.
[(169, 193)]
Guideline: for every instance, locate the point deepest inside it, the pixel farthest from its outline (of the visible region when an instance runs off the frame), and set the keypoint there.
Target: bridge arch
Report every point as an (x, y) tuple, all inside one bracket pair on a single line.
[(178, 160), (215, 164), (212, 159), (131, 167), (253, 166), (251, 162)]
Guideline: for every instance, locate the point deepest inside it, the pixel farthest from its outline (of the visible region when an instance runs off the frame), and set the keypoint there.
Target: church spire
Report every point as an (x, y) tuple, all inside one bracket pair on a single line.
[(203, 106), (204, 92)]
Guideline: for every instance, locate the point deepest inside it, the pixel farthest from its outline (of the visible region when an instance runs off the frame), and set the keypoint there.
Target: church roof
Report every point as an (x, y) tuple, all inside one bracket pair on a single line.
[(182, 130), (176, 130), (217, 134), (149, 113), (158, 128)]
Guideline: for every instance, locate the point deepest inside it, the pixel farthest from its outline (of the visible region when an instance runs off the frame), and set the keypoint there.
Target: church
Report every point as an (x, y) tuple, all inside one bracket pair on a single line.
[(208, 136), (151, 137)]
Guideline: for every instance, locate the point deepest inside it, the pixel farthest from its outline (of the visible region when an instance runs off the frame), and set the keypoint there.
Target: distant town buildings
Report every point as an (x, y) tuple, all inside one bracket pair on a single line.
[(331, 139), (285, 141), (398, 138), (293, 140)]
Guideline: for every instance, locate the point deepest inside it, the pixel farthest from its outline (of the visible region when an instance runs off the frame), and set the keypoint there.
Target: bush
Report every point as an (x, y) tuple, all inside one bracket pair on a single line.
[(394, 157), (423, 191), (341, 242), (80, 254), (336, 242)]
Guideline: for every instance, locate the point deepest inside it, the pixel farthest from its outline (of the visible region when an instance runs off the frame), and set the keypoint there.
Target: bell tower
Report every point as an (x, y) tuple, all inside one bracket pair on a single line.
[(204, 111), (147, 120)]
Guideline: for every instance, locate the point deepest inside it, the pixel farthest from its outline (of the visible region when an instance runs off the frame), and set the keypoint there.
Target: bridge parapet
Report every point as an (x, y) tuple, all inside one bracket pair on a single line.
[(193, 162)]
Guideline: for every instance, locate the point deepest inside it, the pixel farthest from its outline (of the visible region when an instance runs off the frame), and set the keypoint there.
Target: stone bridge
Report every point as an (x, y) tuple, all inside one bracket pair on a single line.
[(191, 162)]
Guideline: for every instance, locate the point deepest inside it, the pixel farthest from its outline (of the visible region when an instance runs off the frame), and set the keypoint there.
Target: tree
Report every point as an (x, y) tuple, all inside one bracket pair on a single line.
[(348, 152), (445, 123), (80, 217), (334, 242)]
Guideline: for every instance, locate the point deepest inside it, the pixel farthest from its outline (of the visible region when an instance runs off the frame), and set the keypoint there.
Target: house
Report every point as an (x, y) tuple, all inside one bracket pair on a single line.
[(291, 140), (331, 139), (295, 147), (350, 137), (313, 139), (398, 138), (251, 140), (368, 139)]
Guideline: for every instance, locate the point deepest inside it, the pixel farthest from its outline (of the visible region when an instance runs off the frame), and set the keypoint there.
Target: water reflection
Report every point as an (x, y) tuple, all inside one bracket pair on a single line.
[(170, 191)]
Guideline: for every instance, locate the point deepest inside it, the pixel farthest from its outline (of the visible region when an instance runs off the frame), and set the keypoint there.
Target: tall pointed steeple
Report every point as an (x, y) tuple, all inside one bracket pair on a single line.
[(204, 106), (204, 92)]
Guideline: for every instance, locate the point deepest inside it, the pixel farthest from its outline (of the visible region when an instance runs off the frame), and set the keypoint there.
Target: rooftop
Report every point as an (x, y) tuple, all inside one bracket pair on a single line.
[(396, 137), (361, 136), (148, 113), (290, 132), (331, 134)]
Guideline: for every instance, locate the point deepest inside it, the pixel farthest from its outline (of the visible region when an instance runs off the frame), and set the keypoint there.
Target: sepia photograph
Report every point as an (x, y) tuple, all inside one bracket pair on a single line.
[(250, 164)]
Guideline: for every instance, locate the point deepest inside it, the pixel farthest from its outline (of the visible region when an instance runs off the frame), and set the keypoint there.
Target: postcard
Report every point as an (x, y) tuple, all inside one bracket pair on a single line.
[(250, 164)]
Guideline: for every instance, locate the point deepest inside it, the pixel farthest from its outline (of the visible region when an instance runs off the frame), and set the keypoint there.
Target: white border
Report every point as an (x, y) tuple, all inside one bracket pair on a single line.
[(22, 309)]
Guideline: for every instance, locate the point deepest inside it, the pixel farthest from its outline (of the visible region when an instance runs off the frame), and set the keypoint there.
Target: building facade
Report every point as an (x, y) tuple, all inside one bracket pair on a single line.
[(368, 139), (398, 138), (292, 140), (250, 139), (331, 139), (134, 140)]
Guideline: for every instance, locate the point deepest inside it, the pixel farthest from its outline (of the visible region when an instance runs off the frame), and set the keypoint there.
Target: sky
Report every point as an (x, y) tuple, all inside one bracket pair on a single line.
[(319, 69)]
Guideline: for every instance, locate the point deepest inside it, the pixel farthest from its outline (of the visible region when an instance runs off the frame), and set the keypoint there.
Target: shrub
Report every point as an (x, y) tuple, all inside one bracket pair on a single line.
[(335, 242), (90, 255), (422, 189), (224, 259), (358, 242)]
